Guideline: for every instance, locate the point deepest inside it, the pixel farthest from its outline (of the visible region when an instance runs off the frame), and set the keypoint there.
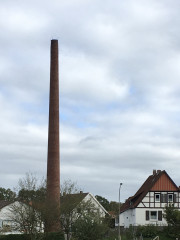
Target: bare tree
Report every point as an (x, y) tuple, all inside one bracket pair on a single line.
[(28, 211), (69, 187), (30, 182), (27, 219)]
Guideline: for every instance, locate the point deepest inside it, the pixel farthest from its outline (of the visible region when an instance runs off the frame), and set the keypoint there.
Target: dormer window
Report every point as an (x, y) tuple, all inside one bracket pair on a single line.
[(157, 197)]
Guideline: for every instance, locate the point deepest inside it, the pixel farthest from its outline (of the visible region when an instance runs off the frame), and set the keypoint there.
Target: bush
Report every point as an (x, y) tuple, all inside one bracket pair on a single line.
[(15, 237), (148, 231), (130, 232), (54, 236), (48, 236), (88, 229)]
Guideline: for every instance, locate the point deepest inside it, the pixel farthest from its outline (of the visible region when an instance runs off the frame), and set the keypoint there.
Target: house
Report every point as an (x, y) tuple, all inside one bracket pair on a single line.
[(148, 203), (72, 202), (74, 206), (6, 222), (18, 217)]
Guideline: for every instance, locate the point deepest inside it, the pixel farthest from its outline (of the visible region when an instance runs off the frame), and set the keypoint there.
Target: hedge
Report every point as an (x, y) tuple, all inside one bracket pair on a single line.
[(54, 236), (15, 237), (49, 236)]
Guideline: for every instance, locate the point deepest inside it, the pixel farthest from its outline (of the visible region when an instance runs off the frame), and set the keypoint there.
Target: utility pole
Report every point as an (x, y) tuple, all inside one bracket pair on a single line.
[(119, 227)]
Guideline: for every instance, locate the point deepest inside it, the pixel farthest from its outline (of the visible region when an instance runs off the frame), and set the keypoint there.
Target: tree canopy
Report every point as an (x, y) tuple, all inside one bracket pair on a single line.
[(172, 216), (104, 202), (7, 194), (109, 206)]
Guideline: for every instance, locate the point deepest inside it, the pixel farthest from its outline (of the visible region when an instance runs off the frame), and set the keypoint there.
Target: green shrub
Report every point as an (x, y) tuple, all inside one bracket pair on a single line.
[(130, 232), (87, 228), (54, 236), (148, 231), (48, 236), (15, 237)]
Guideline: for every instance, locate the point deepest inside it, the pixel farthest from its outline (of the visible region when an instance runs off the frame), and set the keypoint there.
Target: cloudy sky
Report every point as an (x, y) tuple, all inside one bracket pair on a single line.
[(119, 65)]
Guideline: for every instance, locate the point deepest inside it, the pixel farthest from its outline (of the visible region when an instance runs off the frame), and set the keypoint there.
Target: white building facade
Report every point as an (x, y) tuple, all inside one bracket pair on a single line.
[(6, 222), (147, 205), (101, 210)]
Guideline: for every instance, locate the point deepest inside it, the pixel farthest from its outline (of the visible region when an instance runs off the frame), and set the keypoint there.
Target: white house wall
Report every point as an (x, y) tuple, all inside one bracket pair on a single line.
[(6, 213), (149, 201), (96, 204), (6, 216), (128, 218), (137, 216), (141, 217)]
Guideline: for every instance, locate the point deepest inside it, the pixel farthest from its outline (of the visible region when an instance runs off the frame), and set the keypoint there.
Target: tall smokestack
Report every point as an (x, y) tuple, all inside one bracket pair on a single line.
[(53, 171)]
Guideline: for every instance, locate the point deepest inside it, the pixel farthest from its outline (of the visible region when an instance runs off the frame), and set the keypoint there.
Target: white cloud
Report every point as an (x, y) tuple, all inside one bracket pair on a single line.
[(22, 21), (89, 80), (119, 90)]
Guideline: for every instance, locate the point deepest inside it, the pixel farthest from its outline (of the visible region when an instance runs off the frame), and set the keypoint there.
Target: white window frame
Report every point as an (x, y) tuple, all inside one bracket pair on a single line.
[(150, 217), (170, 194), (157, 194)]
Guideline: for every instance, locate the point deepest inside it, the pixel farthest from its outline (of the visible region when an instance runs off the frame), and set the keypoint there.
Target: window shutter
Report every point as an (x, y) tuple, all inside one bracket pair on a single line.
[(162, 198), (166, 198), (174, 197), (147, 215), (159, 215)]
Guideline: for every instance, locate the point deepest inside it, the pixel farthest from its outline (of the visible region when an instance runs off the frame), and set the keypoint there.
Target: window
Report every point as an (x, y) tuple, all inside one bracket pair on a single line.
[(6, 223), (157, 197), (153, 215), (170, 197)]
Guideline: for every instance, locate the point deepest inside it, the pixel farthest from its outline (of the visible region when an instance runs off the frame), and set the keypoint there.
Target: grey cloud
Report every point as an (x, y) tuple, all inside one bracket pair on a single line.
[(119, 90)]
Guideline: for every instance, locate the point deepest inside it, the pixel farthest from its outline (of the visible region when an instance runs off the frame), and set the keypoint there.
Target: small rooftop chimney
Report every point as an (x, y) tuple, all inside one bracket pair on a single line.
[(158, 171), (154, 172)]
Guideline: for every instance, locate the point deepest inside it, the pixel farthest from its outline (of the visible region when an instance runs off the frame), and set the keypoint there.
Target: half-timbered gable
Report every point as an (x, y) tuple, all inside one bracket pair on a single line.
[(146, 206)]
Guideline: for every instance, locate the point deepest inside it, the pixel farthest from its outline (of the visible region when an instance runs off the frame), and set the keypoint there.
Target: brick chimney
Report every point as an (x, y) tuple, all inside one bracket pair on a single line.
[(53, 165), (154, 172)]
